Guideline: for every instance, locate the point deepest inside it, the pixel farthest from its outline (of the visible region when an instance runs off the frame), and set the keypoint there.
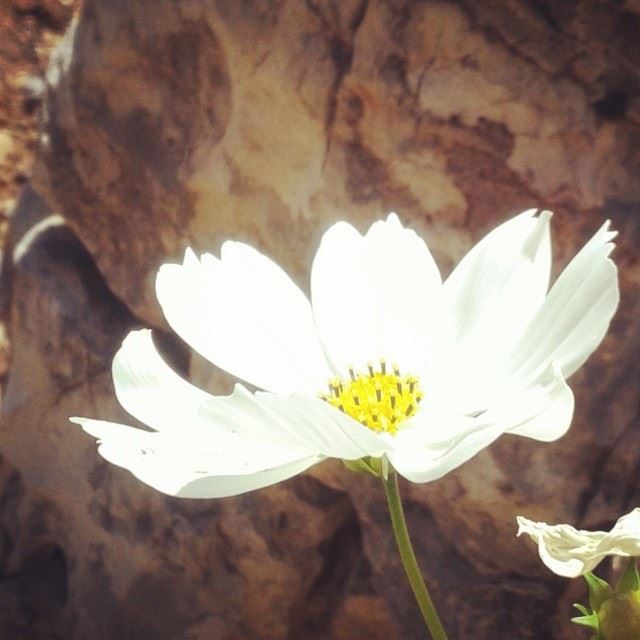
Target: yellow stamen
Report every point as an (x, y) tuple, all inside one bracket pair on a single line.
[(377, 399)]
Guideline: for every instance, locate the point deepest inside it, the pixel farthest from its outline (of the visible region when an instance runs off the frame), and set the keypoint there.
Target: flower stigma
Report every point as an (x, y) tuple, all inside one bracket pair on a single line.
[(380, 400)]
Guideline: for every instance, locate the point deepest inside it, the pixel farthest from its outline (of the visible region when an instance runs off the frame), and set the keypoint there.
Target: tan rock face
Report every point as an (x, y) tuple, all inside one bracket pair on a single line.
[(184, 124)]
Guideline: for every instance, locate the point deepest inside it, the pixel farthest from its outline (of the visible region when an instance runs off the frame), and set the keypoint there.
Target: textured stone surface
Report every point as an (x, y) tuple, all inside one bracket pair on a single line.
[(28, 31), (170, 124)]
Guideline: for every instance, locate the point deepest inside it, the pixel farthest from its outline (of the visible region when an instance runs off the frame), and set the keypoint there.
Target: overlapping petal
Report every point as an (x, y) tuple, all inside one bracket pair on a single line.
[(424, 451), (196, 468), (309, 422), (491, 297), (243, 313), (570, 552), (377, 296), (555, 410), (575, 315), (150, 390), (428, 462), (202, 441), (499, 285)]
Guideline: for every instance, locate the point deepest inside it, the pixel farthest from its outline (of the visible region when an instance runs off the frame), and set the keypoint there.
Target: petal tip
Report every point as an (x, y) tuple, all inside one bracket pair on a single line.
[(190, 257), (137, 335), (392, 218), (528, 213), (343, 228), (539, 235), (166, 277), (523, 525), (227, 246), (234, 249), (610, 233)]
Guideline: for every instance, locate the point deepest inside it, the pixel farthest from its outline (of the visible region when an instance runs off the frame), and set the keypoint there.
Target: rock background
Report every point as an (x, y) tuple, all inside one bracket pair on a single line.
[(167, 124)]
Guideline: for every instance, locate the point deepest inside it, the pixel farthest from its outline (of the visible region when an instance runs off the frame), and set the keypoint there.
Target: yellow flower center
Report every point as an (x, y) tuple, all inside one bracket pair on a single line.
[(378, 399)]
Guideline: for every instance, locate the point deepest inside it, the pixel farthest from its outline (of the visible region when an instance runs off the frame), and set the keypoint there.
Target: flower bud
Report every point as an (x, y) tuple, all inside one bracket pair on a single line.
[(615, 612), (619, 617)]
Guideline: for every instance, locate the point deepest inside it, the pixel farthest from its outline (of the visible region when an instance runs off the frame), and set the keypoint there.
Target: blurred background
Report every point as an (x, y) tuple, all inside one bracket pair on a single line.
[(130, 130)]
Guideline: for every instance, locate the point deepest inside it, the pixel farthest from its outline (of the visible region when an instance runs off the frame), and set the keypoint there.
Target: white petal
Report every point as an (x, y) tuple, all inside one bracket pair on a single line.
[(428, 463), (230, 452), (423, 452), (491, 297), (151, 391), (194, 469), (554, 418), (224, 486), (566, 551), (514, 256), (434, 442), (244, 314), (576, 314), (304, 422), (624, 538), (433, 426), (377, 296), (571, 552)]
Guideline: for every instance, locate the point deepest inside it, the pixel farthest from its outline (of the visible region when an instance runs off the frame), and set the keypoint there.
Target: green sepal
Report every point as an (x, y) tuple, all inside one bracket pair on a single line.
[(587, 619), (599, 590), (630, 580), (364, 465), (585, 611)]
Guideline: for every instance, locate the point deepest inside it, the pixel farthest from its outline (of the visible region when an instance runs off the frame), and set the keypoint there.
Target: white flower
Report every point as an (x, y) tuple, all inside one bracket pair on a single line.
[(570, 552), (439, 369)]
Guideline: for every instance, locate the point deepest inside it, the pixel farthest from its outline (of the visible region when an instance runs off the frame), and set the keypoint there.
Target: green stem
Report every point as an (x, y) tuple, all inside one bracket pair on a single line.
[(409, 561)]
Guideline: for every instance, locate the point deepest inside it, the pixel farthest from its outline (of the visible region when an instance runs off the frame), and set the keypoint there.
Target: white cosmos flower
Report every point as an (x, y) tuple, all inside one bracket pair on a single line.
[(441, 368), (571, 552)]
